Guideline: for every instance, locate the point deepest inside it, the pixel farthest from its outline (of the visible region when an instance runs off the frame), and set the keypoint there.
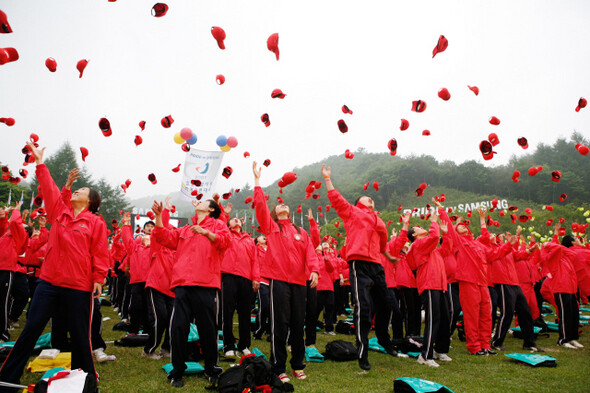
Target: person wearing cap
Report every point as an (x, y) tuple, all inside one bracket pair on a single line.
[(325, 288), (289, 258), (13, 240), (424, 256), (160, 297), (263, 294), (472, 260), (74, 269), (367, 239), (240, 279), (196, 282)]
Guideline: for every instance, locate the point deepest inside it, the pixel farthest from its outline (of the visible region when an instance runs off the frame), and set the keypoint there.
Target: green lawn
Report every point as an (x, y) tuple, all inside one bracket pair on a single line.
[(466, 373)]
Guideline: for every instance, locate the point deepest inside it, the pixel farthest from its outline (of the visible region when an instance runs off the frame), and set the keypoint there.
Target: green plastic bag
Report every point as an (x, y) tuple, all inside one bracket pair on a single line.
[(374, 345), (417, 385), (533, 360), (191, 368), (313, 355)]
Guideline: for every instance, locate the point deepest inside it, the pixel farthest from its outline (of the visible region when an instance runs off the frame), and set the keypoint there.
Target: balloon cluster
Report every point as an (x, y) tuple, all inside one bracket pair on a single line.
[(185, 135), (226, 144)]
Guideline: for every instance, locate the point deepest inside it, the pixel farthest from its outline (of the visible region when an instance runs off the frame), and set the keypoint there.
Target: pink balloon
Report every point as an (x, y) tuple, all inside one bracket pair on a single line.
[(186, 133), (232, 141)]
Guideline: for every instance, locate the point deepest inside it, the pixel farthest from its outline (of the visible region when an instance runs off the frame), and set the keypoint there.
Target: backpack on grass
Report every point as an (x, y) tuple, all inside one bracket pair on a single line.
[(340, 351)]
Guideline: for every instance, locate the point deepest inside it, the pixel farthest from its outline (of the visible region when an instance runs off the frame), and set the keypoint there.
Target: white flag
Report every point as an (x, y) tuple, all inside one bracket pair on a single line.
[(203, 166)]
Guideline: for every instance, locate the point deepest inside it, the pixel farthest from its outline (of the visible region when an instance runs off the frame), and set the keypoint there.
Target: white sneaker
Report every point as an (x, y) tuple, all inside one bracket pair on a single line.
[(568, 345), (125, 320), (116, 309), (428, 362), (576, 344), (246, 352), (100, 356), (332, 333), (152, 355), (164, 353), (230, 354), (443, 357)]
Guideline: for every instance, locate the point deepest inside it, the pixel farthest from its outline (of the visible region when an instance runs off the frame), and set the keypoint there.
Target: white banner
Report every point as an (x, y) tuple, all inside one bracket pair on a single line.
[(202, 166)]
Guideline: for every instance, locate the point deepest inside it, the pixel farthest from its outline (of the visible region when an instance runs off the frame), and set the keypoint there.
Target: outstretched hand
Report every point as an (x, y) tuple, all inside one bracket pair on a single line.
[(72, 177), (157, 208), (309, 214), (326, 172), (36, 152), (436, 203)]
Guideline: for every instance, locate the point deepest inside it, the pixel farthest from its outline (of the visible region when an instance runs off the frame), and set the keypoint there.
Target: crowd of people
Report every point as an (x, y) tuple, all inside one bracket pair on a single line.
[(166, 278)]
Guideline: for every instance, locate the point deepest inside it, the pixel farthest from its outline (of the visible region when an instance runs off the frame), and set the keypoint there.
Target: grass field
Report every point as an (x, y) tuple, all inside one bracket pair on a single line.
[(465, 374)]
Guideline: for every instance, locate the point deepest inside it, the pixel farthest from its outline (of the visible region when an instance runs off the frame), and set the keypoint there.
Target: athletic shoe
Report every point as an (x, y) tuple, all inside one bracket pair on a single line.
[(246, 352), (428, 362), (499, 348), (177, 382), (491, 352), (397, 354), (568, 345), (576, 344), (13, 324), (165, 353), (230, 354), (481, 352), (100, 356), (125, 320), (284, 378), (331, 333), (116, 309), (364, 364), (153, 356), (443, 357), (299, 374), (213, 376), (533, 348)]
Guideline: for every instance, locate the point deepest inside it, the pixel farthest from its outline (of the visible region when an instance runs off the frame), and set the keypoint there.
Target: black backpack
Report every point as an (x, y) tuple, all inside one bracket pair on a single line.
[(344, 327), (340, 351), (236, 379), (252, 372)]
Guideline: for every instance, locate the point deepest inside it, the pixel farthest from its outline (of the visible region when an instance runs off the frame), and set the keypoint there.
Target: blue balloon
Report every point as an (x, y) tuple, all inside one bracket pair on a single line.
[(192, 140), (221, 140)]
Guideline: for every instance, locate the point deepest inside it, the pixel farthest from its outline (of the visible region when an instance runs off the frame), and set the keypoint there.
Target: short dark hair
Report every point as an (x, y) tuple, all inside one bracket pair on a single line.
[(216, 209), (411, 237), (357, 200), (149, 222), (567, 241), (93, 200)]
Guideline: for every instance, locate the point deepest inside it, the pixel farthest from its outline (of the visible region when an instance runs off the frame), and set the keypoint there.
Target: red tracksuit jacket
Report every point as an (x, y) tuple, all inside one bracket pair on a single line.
[(77, 250), (139, 256), (394, 246), (558, 260), (161, 262), (12, 242), (198, 260), (424, 256), (240, 258), (290, 253), (325, 282), (366, 233)]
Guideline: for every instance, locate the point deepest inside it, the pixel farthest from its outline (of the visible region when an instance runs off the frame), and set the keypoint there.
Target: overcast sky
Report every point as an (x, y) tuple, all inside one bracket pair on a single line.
[(529, 59)]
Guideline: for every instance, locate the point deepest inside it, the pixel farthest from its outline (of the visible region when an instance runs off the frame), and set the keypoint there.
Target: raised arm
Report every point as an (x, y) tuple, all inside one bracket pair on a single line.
[(314, 231), (54, 204), (164, 236), (260, 206)]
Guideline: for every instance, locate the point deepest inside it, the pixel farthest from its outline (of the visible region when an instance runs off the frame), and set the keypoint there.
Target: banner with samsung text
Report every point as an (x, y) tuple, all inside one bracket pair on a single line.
[(200, 173)]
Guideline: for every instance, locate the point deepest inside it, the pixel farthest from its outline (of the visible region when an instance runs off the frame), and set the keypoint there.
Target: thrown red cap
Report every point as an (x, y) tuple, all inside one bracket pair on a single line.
[(522, 142), (419, 192), (442, 198), (562, 197), (556, 176), (288, 178), (418, 106), (219, 35), (423, 186), (474, 89), (81, 66), (320, 208), (299, 210), (278, 93), (342, 126), (272, 43), (376, 185), (227, 171), (4, 25), (495, 203), (426, 133), (151, 215), (348, 154), (444, 94), (337, 224), (159, 10), (399, 208), (84, 152), (502, 213), (405, 124), (549, 208), (249, 199), (23, 172), (127, 182), (365, 186), (142, 125), (196, 183), (392, 146), (583, 149), (176, 168), (533, 171), (185, 147), (575, 227), (167, 121), (581, 104), (246, 154), (265, 119), (469, 213), (486, 150), (494, 120), (226, 195), (105, 126), (152, 178), (493, 138), (8, 55), (51, 64), (266, 162), (561, 220), (441, 46), (528, 211), (561, 232), (138, 140), (345, 109), (9, 121), (220, 79)]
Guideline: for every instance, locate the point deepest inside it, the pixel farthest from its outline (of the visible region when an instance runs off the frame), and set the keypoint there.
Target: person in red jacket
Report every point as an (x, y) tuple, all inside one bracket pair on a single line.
[(240, 279), (196, 281), (289, 258), (325, 288), (75, 267), (12, 242), (366, 241), (431, 279)]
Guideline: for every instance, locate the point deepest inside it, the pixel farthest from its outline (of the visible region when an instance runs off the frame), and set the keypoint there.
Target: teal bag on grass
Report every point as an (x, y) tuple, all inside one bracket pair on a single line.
[(417, 385), (313, 355), (191, 368), (374, 345), (259, 353), (533, 360)]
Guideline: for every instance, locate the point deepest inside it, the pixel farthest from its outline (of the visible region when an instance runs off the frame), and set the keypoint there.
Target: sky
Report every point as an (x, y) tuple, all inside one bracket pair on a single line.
[(529, 59)]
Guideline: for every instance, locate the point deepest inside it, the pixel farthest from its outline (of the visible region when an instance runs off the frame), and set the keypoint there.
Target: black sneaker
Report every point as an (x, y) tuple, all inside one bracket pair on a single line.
[(213, 375), (491, 352), (364, 364), (177, 382), (481, 352)]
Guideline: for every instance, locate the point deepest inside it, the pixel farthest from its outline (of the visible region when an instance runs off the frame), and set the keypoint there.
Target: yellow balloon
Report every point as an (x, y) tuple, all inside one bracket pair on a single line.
[(225, 148), (178, 139)]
